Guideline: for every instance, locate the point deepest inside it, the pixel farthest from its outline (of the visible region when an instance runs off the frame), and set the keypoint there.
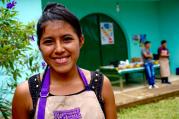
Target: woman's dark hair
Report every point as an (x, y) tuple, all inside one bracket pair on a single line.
[(146, 42), (56, 11), (163, 41)]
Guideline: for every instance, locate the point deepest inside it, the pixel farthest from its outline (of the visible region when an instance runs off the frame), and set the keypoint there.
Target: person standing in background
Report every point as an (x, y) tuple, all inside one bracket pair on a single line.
[(149, 69), (163, 54)]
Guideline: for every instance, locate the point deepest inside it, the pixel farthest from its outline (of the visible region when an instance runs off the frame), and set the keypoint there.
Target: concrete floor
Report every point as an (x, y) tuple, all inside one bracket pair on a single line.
[(132, 95)]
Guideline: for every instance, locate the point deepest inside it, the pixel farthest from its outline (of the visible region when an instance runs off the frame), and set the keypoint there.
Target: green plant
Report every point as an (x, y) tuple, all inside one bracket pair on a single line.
[(5, 105), (17, 53)]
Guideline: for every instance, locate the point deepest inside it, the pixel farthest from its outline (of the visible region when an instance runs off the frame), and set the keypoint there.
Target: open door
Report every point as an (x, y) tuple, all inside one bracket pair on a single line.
[(93, 53)]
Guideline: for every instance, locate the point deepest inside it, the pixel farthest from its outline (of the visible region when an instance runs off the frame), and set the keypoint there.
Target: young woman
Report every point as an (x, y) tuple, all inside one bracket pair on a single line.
[(63, 91), (163, 54)]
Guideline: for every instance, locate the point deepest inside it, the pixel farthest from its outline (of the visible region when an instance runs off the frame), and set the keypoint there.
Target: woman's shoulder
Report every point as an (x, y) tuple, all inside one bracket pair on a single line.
[(22, 88), (89, 74), (97, 78), (22, 98)]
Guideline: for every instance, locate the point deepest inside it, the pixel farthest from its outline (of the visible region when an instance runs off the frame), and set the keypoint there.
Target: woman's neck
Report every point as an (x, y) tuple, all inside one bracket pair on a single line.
[(64, 78)]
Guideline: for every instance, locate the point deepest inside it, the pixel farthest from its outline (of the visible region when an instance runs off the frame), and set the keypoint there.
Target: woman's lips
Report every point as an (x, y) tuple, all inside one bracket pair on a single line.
[(62, 60)]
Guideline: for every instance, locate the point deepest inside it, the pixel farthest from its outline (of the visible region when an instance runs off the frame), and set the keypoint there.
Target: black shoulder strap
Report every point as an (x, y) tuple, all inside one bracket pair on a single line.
[(96, 85), (34, 88)]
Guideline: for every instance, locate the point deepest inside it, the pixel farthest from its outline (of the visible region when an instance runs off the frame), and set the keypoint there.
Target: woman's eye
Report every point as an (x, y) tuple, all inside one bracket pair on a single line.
[(48, 41), (67, 39)]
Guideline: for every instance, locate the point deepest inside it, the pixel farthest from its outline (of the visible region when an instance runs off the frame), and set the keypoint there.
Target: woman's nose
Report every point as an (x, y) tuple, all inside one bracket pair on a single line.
[(59, 48)]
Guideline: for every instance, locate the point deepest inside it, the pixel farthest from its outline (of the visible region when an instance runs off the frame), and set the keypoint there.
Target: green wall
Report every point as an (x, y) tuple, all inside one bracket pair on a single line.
[(169, 29), (134, 17), (156, 18)]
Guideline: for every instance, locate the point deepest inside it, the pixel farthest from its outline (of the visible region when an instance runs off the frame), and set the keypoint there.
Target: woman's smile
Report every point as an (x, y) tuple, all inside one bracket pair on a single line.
[(61, 60), (60, 46)]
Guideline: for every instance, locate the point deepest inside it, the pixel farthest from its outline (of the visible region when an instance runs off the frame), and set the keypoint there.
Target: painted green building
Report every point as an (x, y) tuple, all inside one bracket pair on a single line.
[(158, 19)]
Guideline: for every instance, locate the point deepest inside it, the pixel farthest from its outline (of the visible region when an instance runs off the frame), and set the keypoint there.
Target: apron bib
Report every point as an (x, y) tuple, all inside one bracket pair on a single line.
[(164, 67), (83, 105)]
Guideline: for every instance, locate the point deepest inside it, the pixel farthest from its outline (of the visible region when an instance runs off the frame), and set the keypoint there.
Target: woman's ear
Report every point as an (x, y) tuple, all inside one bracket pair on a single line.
[(81, 41)]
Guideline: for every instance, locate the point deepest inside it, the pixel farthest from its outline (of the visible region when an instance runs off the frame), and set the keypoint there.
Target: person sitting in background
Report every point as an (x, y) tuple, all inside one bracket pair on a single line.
[(148, 65), (163, 54)]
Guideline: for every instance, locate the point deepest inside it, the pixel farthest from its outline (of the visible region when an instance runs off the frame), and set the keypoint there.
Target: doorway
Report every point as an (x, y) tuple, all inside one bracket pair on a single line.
[(93, 53)]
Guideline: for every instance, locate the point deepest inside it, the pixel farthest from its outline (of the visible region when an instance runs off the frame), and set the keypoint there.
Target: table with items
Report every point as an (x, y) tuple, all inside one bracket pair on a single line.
[(121, 70)]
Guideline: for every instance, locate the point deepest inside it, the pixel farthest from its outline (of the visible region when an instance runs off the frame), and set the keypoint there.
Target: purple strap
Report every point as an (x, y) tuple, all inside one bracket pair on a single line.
[(45, 92), (43, 95), (84, 79)]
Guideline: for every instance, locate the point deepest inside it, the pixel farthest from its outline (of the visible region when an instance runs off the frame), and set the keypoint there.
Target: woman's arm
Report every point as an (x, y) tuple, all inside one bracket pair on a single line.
[(109, 101), (22, 102)]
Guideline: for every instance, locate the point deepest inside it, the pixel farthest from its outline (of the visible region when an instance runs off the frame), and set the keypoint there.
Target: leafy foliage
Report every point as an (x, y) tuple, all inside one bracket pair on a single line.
[(17, 53), (5, 105)]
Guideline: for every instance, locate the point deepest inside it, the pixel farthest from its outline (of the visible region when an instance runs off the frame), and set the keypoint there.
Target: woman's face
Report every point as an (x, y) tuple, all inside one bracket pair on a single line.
[(164, 45), (60, 45), (147, 45)]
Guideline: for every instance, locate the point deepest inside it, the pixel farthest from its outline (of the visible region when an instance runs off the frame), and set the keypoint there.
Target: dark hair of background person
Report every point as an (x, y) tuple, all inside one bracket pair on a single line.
[(163, 41), (146, 42), (56, 11)]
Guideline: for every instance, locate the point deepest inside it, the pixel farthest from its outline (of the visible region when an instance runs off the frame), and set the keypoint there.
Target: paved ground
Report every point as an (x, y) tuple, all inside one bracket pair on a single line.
[(140, 94)]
